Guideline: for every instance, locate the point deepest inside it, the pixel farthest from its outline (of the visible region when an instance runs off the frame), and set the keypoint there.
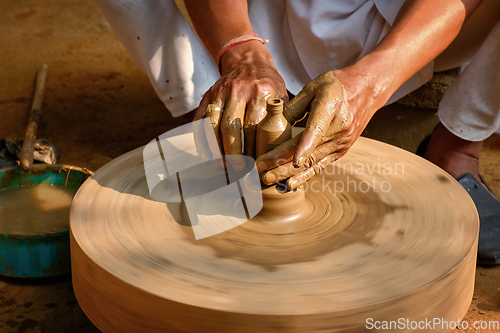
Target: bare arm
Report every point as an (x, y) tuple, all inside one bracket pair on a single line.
[(248, 75), (422, 30), (342, 102), (217, 22)]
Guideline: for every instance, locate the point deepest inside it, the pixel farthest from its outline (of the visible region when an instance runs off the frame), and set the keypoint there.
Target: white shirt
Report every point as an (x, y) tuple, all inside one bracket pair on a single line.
[(307, 38)]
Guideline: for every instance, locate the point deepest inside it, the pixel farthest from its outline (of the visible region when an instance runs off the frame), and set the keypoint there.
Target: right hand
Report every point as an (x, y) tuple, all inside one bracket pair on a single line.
[(238, 99)]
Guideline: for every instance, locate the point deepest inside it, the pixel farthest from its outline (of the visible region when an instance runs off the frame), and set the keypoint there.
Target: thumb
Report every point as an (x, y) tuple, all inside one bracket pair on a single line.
[(295, 110)]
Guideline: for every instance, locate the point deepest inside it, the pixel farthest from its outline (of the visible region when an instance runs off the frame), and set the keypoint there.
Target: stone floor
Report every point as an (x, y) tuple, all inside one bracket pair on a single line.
[(98, 105)]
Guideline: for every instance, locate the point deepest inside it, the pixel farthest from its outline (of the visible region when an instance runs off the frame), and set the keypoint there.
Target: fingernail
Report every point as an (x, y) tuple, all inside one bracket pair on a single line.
[(300, 162), (261, 166), (291, 184), (270, 178)]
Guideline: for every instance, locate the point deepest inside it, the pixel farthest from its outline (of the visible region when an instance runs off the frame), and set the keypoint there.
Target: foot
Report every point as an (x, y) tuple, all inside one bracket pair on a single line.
[(453, 154), (460, 158), (488, 207)]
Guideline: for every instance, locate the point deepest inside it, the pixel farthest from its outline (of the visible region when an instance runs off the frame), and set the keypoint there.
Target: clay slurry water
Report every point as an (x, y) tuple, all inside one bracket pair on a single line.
[(35, 209)]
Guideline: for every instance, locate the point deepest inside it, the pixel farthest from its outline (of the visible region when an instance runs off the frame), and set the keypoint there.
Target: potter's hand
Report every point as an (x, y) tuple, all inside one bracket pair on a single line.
[(339, 111), (238, 99)]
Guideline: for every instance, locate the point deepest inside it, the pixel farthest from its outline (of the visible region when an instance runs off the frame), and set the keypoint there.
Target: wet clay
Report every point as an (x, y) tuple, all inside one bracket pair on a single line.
[(252, 119), (272, 132), (388, 246), (35, 209), (274, 128), (324, 99), (231, 125)]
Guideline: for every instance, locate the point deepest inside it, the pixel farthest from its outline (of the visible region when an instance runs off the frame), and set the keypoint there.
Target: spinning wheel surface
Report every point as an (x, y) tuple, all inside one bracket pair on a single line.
[(367, 250)]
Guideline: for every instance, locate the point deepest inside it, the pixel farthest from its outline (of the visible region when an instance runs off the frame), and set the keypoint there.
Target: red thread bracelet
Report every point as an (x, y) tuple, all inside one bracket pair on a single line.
[(236, 41)]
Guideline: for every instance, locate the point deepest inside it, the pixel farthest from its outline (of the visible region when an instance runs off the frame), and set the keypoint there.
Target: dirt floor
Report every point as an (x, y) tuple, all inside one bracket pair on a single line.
[(98, 105)]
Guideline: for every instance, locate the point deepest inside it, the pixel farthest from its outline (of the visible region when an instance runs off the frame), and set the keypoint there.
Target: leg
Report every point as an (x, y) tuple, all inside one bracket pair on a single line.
[(469, 113), (453, 154), (456, 145)]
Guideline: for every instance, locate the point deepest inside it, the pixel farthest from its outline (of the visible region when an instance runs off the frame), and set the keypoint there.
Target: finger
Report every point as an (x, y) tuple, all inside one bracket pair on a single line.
[(255, 112), (230, 127), (280, 173), (201, 109), (199, 134), (325, 106), (301, 178), (295, 110), (338, 144), (214, 112), (285, 98), (250, 136), (203, 143), (279, 155)]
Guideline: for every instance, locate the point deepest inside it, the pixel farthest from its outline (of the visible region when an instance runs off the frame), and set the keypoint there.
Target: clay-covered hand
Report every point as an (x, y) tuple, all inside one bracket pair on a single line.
[(339, 108), (238, 99)]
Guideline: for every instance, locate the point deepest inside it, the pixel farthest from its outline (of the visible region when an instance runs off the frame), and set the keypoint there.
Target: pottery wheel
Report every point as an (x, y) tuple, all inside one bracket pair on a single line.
[(398, 240)]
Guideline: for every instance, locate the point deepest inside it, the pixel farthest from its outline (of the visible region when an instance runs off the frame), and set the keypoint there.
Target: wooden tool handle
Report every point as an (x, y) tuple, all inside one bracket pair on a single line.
[(26, 155)]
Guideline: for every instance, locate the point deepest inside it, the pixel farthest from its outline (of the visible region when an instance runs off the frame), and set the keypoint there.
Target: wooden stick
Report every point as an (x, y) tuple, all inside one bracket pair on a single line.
[(26, 155)]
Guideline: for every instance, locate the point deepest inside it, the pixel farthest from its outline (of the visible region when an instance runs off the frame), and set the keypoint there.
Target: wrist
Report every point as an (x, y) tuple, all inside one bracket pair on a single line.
[(234, 42), (371, 81), (252, 51), (361, 92)]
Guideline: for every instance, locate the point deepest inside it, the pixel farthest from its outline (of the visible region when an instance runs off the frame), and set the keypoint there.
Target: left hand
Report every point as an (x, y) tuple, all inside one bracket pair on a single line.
[(340, 107)]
